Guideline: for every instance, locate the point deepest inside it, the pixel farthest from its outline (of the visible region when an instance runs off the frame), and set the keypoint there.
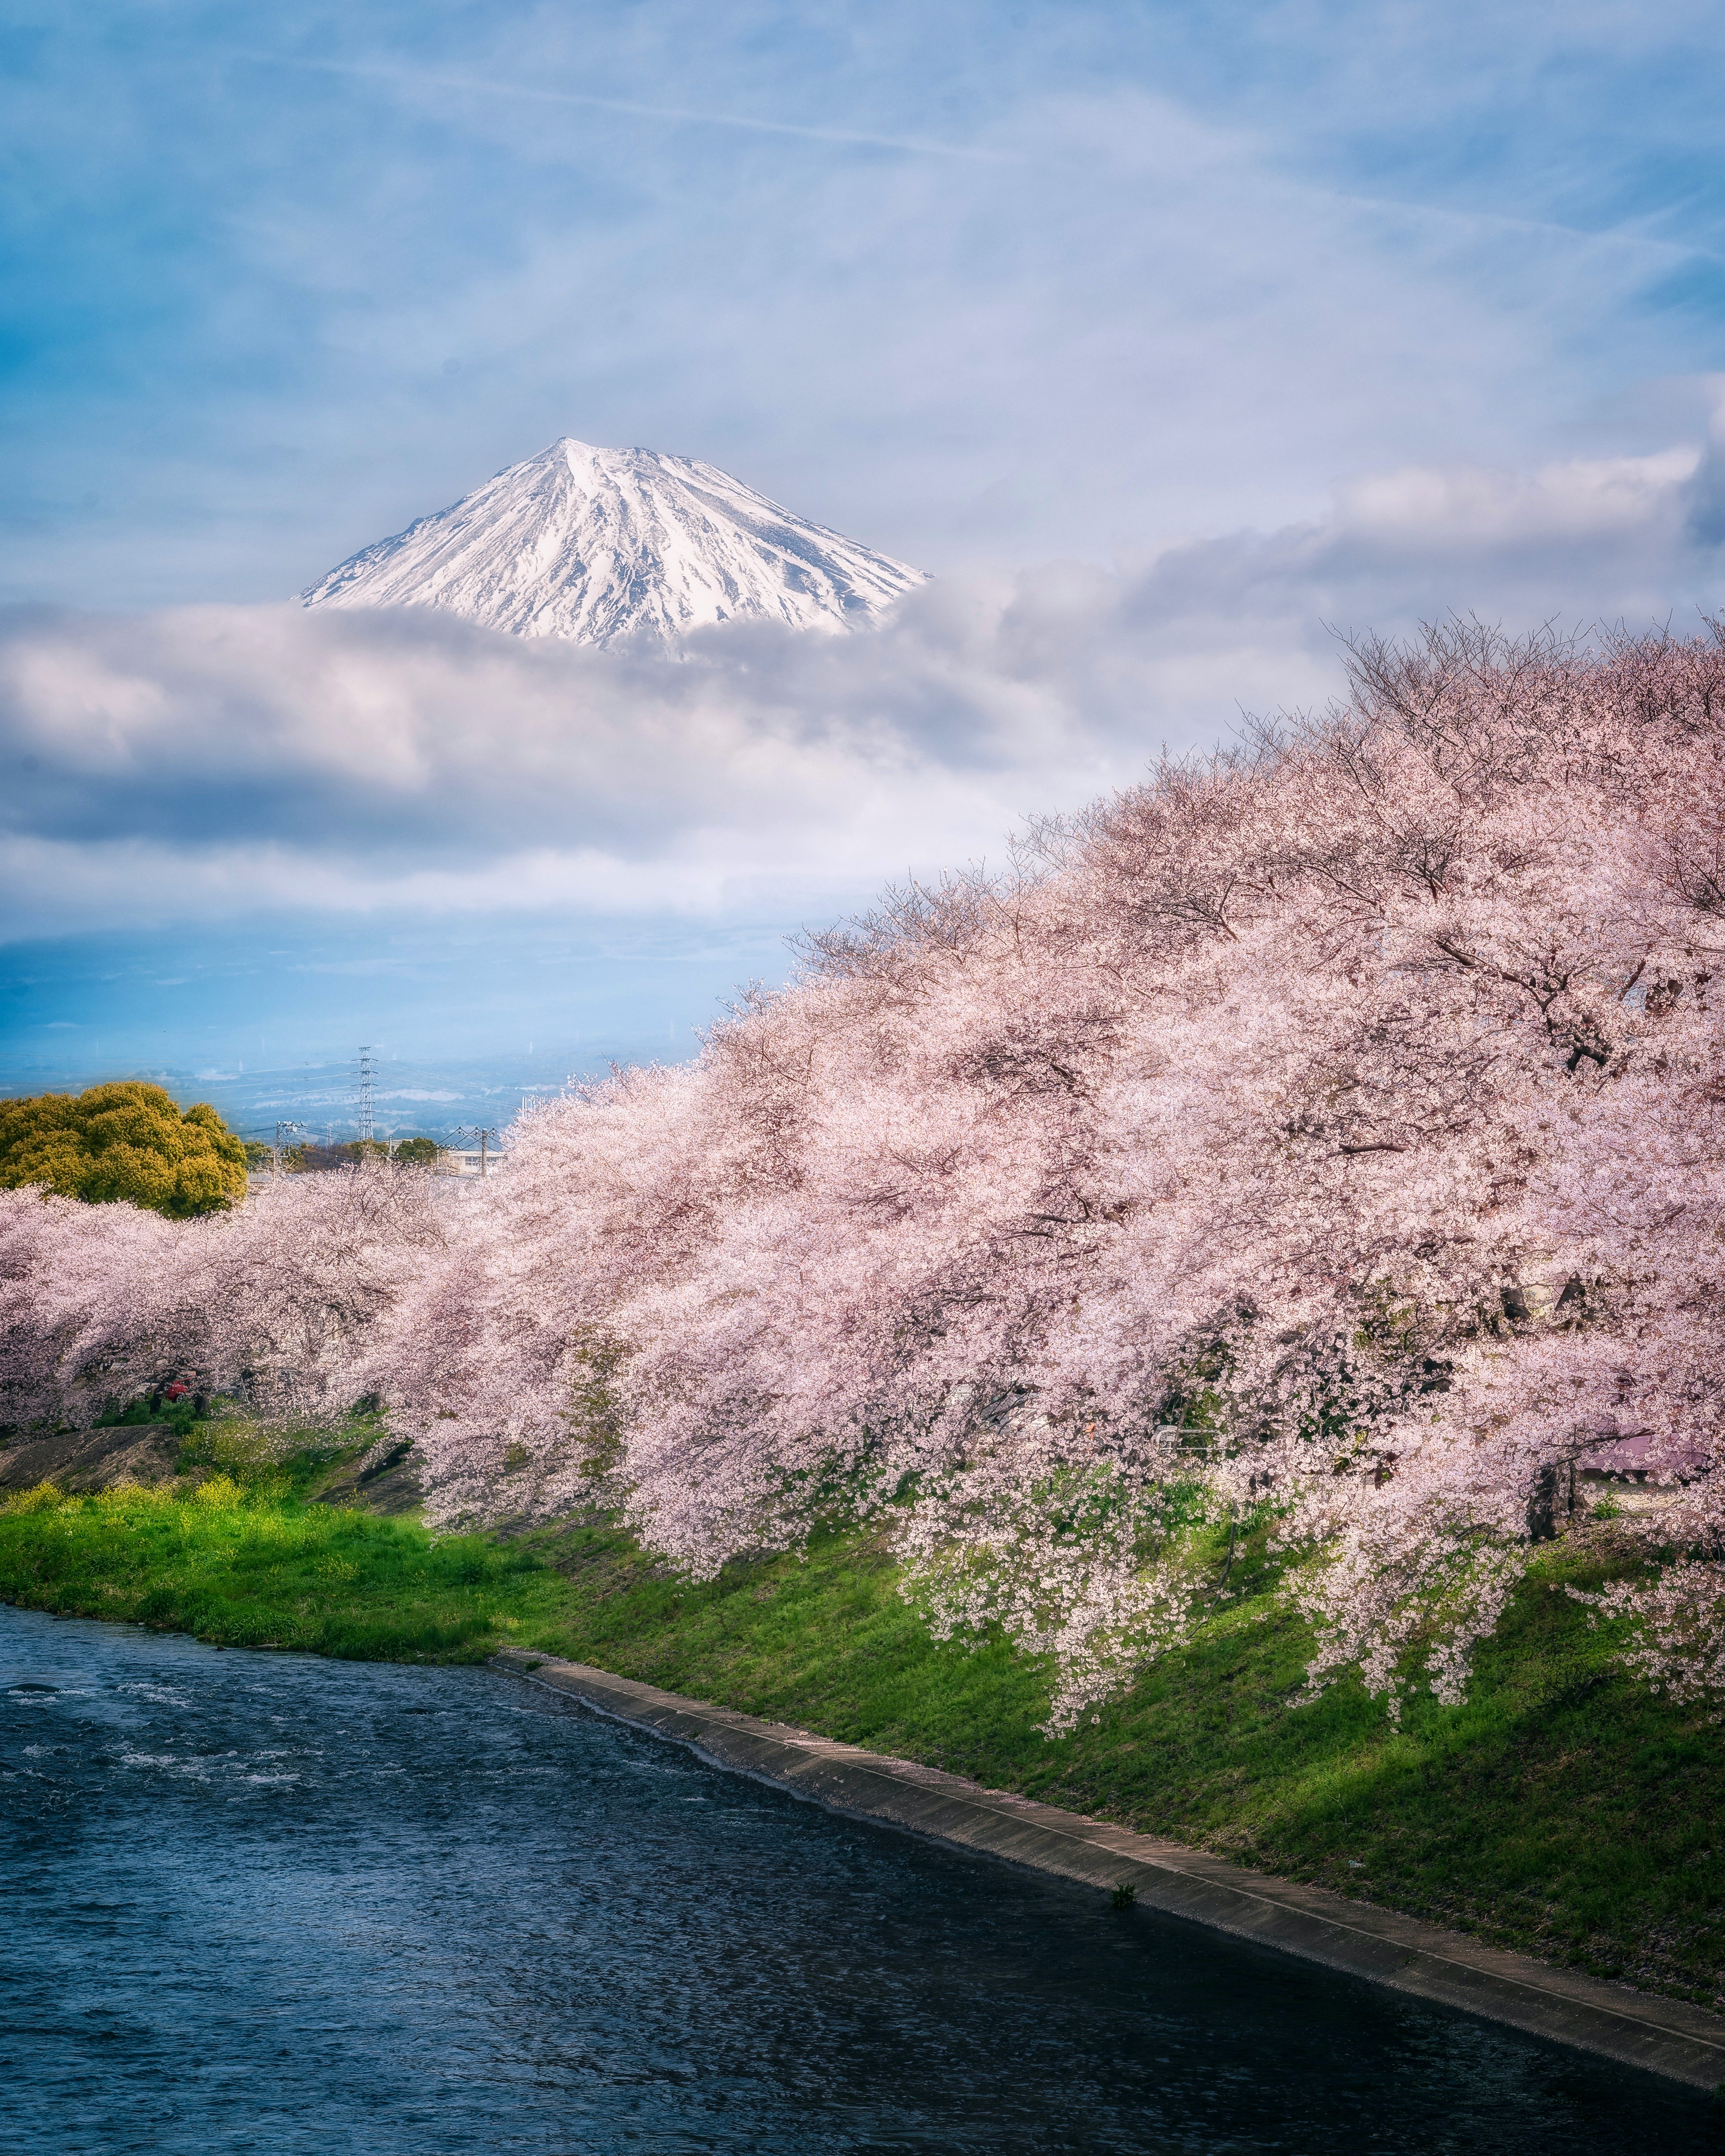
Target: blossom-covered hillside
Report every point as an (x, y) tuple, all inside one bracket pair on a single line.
[(1336, 1131)]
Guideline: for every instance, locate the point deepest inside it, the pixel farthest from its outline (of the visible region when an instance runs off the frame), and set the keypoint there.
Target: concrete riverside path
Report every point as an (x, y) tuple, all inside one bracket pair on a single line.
[(1639, 2029)]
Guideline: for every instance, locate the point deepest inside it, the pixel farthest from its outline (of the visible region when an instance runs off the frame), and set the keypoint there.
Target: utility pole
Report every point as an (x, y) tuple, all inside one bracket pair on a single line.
[(467, 1132), (365, 1096), (281, 1132)]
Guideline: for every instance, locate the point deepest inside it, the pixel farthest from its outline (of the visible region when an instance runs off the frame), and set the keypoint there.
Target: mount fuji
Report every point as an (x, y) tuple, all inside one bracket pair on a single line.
[(600, 545)]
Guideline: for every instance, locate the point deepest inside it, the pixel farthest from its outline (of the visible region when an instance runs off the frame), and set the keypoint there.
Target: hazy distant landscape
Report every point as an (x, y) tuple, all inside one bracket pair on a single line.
[(442, 1012)]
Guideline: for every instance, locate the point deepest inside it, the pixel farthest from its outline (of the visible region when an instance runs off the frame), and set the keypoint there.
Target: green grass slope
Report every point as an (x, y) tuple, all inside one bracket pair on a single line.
[(1563, 1809)]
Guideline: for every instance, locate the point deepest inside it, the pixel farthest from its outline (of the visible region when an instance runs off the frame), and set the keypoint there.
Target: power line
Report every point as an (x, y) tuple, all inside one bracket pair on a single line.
[(466, 1132)]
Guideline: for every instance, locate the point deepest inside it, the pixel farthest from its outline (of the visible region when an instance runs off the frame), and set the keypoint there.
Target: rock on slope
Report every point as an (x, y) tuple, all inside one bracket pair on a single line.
[(597, 545)]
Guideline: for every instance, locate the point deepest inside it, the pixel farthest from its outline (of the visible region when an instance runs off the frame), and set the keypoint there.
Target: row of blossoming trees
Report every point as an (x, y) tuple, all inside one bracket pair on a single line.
[(1333, 1134)]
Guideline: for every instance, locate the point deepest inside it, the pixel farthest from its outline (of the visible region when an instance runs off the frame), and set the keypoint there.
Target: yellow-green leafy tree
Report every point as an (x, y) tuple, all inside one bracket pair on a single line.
[(126, 1142)]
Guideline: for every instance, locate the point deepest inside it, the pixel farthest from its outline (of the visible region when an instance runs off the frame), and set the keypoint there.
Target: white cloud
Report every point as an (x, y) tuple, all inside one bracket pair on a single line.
[(206, 761), (1476, 509)]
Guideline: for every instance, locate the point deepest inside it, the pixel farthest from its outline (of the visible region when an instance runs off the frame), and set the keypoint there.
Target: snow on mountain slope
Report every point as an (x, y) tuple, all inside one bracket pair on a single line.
[(600, 544)]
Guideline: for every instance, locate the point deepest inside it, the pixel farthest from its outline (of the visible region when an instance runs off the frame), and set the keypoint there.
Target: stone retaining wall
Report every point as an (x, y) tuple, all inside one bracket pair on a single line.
[(1639, 2029)]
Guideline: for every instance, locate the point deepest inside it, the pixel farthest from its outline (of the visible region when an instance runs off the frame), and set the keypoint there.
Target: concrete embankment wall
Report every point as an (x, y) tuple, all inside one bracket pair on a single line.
[(1663, 2035)]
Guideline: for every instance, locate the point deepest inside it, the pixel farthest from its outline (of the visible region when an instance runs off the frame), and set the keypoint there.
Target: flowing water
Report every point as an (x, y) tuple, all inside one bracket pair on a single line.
[(266, 1903)]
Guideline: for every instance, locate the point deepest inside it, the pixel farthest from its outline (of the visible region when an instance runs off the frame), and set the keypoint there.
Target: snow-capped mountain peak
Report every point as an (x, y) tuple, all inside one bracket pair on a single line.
[(597, 545)]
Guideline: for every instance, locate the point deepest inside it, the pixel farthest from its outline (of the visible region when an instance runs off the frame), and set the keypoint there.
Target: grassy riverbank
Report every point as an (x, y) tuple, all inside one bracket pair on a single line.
[(1563, 1809)]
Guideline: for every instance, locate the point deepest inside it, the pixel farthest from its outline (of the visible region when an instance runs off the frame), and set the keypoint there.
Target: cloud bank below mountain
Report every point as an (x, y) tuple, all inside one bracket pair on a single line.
[(203, 762)]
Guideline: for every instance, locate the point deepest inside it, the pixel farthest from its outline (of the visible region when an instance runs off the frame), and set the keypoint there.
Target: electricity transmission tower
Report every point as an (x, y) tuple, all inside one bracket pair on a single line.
[(282, 1130), (365, 1096), (467, 1132)]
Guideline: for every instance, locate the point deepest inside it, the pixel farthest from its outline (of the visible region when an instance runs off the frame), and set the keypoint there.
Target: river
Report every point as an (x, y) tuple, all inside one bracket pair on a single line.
[(265, 1903)]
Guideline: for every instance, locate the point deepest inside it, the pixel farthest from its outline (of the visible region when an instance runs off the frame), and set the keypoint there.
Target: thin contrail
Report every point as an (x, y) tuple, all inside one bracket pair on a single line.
[(1629, 234), (411, 78)]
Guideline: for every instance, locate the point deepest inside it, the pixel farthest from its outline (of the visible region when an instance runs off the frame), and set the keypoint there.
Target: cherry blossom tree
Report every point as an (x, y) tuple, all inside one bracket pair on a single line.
[(271, 1302), (1330, 1133)]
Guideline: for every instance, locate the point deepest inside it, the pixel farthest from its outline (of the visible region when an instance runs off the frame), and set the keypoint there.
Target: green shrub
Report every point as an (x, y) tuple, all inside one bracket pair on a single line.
[(128, 1142)]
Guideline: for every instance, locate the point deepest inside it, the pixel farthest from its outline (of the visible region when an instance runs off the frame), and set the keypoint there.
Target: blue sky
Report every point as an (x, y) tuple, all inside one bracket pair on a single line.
[(1170, 338)]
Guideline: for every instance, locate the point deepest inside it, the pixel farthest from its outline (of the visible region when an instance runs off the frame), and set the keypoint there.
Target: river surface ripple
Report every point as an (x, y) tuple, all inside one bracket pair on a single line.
[(268, 1903)]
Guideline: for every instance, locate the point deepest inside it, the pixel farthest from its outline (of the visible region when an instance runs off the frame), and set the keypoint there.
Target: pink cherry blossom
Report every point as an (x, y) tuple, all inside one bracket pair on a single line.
[(1332, 1131)]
